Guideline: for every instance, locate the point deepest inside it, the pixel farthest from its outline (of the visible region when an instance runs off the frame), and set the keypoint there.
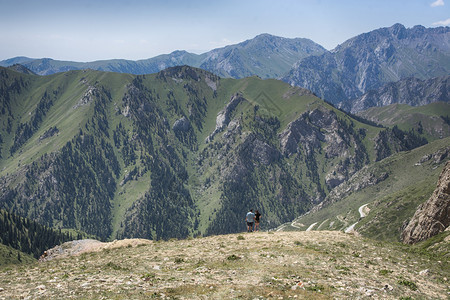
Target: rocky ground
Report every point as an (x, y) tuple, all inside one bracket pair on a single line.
[(280, 265)]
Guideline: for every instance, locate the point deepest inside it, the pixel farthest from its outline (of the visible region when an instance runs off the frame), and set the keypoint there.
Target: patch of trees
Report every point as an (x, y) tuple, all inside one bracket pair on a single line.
[(394, 140), (74, 187), (165, 211), (11, 84), (28, 236), (24, 131)]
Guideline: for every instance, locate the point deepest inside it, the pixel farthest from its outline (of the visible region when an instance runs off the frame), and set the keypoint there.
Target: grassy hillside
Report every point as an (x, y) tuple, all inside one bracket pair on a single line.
[(10, 256), (305, 265), (407, 180), (431, 121)]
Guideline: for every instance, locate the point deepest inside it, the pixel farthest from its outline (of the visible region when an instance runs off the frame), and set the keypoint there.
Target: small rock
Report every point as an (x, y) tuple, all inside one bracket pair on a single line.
[(298, 285), (2, 289), (368, 292), (425, 272), (85, 285), (156, 268), (387, 288), (182, 124), (40, 287)]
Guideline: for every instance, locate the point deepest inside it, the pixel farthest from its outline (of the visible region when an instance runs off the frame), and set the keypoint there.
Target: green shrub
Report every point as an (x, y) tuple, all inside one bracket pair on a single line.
[(233, 257), (408, 283)]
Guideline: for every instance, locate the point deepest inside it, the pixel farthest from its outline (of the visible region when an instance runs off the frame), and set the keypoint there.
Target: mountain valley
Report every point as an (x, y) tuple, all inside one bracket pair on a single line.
[(141, 172), (177, 153)]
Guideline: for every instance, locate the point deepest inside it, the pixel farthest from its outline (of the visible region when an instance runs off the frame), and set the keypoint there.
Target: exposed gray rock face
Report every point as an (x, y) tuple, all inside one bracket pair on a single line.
[(224, 116), (370, 60), (411, 91), (87, 98), (433, 216), (360, 180), (321, 130), (260, 151), (437, 157), (182, 124), (266, 55), (49, 133), (309, 130)]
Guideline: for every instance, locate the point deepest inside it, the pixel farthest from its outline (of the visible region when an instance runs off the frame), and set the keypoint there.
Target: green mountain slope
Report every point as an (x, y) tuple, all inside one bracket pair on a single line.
[(11, 256), (388, 192), (176, 153), (28, 236), (430, 121)]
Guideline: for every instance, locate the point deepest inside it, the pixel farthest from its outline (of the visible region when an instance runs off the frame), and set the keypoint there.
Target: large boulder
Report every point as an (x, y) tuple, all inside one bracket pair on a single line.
[(433, 216)]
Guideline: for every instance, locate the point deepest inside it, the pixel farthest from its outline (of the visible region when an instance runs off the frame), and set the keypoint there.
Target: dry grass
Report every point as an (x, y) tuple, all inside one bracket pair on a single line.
[(303, 265)]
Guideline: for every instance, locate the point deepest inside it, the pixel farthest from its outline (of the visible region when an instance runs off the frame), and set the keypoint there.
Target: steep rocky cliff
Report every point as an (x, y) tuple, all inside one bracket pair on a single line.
[(411, 91), (433, 216)]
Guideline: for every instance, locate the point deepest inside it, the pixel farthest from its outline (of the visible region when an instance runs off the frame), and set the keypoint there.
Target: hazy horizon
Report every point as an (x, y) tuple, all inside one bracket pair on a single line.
[(95, 30)]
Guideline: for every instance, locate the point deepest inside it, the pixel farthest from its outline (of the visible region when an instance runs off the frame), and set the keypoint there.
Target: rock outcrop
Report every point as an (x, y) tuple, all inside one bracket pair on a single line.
[(224, 116), (310, 130), (433, 216), (182, 124)]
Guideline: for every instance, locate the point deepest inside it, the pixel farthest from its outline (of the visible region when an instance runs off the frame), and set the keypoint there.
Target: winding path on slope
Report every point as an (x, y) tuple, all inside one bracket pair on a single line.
[(311, 226), (362, 214)]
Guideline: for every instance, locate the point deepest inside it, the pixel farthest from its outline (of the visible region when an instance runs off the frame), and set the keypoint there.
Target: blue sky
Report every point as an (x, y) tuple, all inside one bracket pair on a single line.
[(87, 30)]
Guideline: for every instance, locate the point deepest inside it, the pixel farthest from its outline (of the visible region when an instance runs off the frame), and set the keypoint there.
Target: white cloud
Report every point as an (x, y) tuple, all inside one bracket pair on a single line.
[(437, 3), (442, 23)]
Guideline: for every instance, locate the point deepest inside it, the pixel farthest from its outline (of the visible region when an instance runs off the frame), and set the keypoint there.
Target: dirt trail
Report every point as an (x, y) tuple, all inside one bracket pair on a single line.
[(362, 214)]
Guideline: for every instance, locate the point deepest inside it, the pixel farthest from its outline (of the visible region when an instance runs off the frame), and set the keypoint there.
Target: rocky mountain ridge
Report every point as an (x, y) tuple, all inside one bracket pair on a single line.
[(369, 63), (370, 60), (265, 55), (411, 91)]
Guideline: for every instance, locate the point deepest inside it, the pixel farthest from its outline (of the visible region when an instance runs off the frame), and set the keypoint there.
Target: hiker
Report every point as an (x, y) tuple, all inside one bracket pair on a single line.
[(250, 218), (257, 218)]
